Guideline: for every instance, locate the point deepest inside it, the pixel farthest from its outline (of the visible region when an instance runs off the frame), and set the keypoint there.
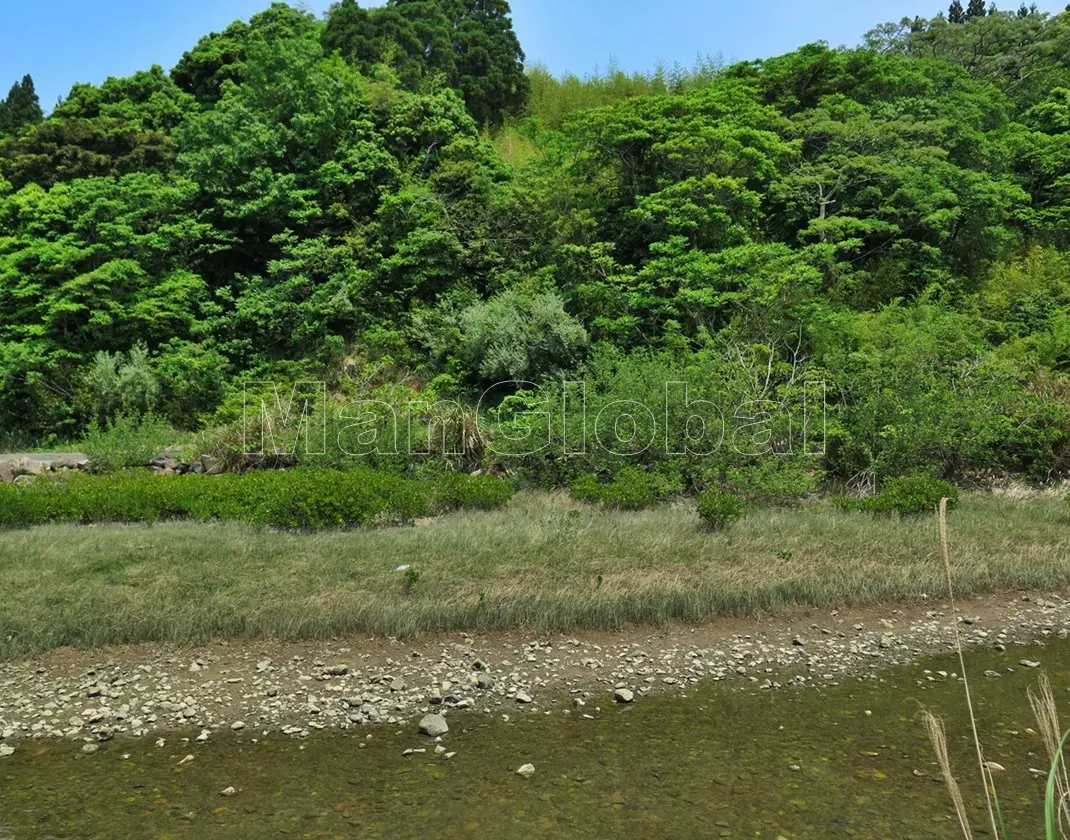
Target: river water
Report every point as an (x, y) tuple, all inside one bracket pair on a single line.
[(723, 761)]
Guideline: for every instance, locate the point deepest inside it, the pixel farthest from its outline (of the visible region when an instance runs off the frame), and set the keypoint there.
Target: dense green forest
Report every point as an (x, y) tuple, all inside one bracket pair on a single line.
[(388, 200)]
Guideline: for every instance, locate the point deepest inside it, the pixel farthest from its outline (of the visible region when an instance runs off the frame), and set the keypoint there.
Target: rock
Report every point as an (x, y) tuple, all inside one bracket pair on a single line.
[(1028, 663), (993, 674), (336, 670), (13, 467), (238, 725), (228, 791), (485, 682), (89, 749), (434, 725), (6, 750), (523, 697), (398, 684), (210, 465), (885, 642), (526, 770), (623, 695)]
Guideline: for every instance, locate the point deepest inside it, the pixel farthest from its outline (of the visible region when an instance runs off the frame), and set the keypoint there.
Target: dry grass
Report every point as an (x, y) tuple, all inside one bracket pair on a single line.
[(1057, 799), (542, 564)]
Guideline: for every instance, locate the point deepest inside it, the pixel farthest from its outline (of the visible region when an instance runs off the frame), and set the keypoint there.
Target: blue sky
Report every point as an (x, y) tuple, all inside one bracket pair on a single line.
[(61, 42)]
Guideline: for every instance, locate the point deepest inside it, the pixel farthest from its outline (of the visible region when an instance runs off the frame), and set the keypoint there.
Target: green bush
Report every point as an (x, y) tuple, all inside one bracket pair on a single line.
[(127, 441), (298, 499), (719, 509), (774, 480), (631, 489), (908, 495), (519, 336)]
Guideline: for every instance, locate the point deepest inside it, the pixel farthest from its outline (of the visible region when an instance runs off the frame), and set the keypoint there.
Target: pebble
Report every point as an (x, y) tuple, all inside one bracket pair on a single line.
[(298, 694), (526, 770)]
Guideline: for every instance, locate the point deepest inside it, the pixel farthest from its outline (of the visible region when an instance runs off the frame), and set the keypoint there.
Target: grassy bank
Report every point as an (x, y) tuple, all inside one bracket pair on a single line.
[(542, 563)]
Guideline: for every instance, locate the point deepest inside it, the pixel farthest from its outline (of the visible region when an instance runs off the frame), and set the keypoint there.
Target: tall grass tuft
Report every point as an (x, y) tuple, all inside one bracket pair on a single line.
[(1057, 794)]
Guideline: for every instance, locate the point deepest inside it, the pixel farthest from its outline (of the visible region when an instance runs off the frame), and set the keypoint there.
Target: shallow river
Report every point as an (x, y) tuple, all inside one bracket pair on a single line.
[(848, 761)]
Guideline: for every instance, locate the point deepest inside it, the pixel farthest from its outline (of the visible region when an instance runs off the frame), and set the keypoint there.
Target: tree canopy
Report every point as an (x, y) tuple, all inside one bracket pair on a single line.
[(387, 199)]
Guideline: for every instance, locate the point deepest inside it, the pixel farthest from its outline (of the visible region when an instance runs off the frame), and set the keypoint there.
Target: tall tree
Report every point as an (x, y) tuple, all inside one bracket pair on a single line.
[(21, 107), (490, 62), (976, 9), (955, 14)]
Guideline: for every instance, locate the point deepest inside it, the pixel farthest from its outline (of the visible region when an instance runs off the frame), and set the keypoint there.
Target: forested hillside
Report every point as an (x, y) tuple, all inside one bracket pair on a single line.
[(386, 199)]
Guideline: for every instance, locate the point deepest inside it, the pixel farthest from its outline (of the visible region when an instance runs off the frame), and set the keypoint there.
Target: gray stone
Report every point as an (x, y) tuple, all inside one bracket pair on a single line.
[(211, 465), (623, 695), (526, 770), (434, 726)]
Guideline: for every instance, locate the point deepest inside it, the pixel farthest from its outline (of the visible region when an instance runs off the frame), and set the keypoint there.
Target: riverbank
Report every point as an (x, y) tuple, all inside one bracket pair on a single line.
[(543, 565), (296, 689)]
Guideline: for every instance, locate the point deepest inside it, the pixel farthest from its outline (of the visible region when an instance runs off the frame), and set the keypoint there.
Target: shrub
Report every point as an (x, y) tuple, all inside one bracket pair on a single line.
[(631, 489), (719, 509), (298, 499), (908, 495), (122, 384), (126, 441), (520, 336), (774, 480), (914, 494)]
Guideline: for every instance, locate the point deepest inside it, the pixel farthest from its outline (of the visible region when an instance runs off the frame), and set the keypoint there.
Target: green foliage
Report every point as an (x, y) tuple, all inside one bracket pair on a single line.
[(300, 500), (296, 194), (126, 441), (121, 385), (719, 509), (909, 495), (520, 337), (20, 108), (630, 489), (774, 480), (472, 46)]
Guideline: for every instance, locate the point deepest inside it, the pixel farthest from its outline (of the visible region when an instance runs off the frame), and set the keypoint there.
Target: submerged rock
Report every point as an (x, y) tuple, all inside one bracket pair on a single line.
[(434, 726)]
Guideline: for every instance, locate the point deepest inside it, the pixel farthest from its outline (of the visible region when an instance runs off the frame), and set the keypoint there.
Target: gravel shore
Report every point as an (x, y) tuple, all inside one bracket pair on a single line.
[(265, 687)]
